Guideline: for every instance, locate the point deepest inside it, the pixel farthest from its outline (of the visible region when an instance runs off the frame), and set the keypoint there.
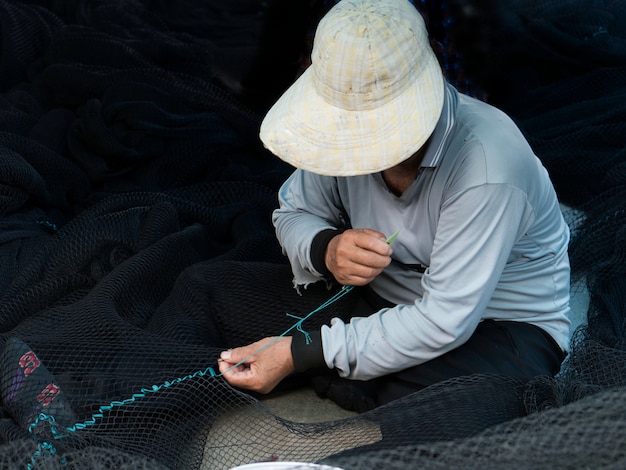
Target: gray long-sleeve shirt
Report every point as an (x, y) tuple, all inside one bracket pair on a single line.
[(481, 218)]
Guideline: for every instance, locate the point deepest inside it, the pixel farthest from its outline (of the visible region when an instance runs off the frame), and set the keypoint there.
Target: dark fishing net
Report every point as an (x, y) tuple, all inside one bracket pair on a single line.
[(135, 204)]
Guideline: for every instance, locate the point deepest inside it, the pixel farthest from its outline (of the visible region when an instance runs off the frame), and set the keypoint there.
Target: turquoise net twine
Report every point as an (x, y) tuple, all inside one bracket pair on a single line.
[(47, 449)]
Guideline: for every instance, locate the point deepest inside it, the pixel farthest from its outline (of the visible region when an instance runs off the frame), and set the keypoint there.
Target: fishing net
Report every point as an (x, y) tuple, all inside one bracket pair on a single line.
[(135, 203)]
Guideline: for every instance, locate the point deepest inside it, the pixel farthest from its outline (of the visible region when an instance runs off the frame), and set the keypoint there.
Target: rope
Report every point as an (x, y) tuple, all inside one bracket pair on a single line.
[(47, 449)]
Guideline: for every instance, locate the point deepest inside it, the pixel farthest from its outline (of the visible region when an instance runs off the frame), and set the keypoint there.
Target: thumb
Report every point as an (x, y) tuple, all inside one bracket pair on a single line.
[(236, 354)]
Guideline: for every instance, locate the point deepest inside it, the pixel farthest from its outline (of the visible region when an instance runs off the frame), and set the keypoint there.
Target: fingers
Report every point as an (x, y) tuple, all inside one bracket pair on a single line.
[(236, 372), (242, 375), (356, 257), (369, 240), (245, 353), (259, 366), (237, 364), (238, 375), (375, 234)]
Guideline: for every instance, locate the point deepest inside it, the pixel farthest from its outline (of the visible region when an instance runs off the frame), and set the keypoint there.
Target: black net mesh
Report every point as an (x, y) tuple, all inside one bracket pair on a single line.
[(135, 205)]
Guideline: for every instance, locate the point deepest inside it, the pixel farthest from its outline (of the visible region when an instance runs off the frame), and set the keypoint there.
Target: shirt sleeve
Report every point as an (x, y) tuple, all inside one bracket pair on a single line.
[(308, 205), (476, 231)]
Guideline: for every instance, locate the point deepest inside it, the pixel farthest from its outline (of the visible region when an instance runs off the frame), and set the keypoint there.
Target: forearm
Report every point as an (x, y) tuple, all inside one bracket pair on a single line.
[(389, 341), (306, 208)]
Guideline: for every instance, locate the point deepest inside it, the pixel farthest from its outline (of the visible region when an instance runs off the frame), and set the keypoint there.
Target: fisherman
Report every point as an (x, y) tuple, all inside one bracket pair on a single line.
[(477, 278)]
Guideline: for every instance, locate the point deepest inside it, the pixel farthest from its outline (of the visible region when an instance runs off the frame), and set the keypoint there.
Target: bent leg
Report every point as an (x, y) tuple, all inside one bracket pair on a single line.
[(497, 348), (505, 348)]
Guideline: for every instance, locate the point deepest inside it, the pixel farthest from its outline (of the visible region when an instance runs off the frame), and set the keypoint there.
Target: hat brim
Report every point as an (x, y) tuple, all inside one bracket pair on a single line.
[(309, 133)]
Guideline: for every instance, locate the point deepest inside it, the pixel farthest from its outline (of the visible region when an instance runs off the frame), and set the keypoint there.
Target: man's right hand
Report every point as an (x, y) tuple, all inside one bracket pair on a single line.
[(355, 257)]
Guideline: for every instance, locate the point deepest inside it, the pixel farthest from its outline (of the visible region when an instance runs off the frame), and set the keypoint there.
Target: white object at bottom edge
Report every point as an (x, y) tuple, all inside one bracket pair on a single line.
[(284, 466)]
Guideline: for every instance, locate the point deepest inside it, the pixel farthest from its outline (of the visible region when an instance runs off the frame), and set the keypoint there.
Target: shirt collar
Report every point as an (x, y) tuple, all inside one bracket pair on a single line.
[(439, 137)]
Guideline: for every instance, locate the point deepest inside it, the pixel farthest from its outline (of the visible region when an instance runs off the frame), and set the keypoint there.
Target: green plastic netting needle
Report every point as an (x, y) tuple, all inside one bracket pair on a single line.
[(392, 237)]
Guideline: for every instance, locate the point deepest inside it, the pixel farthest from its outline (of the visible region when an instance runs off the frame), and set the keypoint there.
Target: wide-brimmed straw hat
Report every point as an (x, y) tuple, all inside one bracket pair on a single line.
[(371, 97)]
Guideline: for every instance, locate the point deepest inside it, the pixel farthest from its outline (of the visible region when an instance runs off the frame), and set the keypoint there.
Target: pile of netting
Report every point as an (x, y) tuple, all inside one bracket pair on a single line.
[(135, 197)]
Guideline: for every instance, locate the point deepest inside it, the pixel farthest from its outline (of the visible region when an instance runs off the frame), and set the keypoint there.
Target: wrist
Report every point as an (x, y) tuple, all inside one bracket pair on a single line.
[(318, 249), (307, 356)]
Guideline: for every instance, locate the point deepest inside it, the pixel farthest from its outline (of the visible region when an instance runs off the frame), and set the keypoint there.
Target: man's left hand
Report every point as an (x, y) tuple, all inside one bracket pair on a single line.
[(262, 369)]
